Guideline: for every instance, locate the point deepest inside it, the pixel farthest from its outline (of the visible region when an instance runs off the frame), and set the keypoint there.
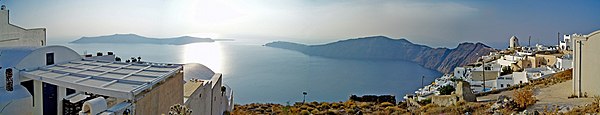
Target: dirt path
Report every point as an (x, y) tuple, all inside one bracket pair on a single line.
[(557, 95), (552, 97), (494, 97)]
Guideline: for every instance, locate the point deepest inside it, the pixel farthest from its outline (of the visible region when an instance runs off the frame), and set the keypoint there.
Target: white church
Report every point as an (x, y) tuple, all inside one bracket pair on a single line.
[(37, 79)]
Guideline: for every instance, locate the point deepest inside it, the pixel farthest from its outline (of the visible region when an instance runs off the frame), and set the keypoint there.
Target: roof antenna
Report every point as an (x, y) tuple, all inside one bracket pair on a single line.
[(529, 44), (3, 7)]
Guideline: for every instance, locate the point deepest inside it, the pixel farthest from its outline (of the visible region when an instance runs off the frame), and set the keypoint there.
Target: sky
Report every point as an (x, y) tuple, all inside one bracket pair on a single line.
[(433, 23)]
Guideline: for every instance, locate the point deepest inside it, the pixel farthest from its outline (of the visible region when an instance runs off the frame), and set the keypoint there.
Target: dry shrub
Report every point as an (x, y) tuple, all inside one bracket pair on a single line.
[(465, 107), (565, 75), (304, 112), (524, 97), (428, 107), (386, 104), (349, 103), (364, 105)]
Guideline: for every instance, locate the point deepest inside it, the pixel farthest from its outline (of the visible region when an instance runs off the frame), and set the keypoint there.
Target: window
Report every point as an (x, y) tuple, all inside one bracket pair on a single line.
[(9, 79), (70, 91), (49, 58), (501, 85)]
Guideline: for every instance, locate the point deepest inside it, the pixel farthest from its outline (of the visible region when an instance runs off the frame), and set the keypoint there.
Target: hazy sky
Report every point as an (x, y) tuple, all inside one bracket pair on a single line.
[(435, 23)]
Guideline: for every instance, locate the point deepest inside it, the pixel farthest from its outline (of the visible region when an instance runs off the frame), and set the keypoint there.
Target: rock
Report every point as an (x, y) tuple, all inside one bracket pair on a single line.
[(464, 92), (503, 102)]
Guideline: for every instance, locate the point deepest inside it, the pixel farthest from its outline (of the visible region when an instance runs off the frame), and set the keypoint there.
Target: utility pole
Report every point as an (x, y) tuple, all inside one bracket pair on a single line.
[(422, 84), (529, 42), (304, 99), (483, 65), (558, 38)]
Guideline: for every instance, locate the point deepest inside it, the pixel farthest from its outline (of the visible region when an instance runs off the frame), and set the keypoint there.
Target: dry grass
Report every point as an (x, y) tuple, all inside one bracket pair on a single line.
[(322, 108), (523, 98), (460, 108)]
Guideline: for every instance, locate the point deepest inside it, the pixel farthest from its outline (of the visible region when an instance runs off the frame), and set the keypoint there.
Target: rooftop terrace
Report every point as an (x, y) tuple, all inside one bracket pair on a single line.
[(115, 79)]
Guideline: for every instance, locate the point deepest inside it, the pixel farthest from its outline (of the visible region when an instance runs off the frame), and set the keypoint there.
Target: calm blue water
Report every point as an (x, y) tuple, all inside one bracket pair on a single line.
[(270, 75)]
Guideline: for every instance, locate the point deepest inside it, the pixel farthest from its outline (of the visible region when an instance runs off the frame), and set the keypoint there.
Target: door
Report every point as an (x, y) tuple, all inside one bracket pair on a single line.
[(50, 99)]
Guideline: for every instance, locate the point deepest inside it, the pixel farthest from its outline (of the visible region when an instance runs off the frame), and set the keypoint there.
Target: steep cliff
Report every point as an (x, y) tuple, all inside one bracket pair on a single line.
[(380, 47)]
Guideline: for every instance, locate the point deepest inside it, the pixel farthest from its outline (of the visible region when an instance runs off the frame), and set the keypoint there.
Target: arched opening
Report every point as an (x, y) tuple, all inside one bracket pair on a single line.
[(86, 109)]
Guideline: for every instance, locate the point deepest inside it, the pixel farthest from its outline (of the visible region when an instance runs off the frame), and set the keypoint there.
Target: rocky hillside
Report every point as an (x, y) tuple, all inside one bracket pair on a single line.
[(380, 47)]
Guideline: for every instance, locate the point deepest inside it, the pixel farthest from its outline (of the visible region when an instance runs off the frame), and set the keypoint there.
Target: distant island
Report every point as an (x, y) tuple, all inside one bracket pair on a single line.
[(381, 47), (137, 39)]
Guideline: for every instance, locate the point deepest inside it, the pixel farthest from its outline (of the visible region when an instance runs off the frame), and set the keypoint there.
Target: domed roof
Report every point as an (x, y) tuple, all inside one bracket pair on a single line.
[(11, 56), (514, 38), (197, 71)]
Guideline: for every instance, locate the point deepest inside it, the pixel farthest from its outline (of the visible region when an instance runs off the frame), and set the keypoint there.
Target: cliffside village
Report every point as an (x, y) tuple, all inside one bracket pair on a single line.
[(520, 64)]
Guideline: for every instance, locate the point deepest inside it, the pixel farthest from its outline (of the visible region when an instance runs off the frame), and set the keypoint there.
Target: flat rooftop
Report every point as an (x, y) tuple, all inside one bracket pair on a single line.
[(115, 79), (190, 87)]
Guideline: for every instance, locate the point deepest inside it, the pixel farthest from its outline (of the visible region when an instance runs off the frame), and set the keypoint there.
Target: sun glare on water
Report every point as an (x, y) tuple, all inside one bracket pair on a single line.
[(208, 54)]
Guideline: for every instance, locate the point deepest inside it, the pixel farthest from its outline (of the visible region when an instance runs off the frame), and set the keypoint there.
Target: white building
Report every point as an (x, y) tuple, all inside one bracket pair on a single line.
[(477, 79), (11, 35), (503, 82), (204, 91), (38, 79), (539, 72), (514, 42), (460, 72), (512, 58), (585, 66), (566, 44), (565, 62), (520, 77), (46, 78)]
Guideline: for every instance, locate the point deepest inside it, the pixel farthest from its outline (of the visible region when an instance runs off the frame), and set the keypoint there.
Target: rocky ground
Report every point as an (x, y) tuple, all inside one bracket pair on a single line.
[(320, 108), (550, 96)]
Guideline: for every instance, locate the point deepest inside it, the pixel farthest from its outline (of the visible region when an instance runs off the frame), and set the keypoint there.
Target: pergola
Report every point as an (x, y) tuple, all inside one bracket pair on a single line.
[(114, 79)]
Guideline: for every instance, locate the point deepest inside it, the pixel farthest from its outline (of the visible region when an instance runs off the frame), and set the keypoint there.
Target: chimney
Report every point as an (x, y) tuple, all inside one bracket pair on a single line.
[(529, 44), (110, 53), (558, 38), (99, 54)]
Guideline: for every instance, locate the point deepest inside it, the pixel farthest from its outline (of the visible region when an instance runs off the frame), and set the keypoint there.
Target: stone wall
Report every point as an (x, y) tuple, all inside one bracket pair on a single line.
[(586, 64), (374, 98), (160, 98), (444, 100), (464, 92)]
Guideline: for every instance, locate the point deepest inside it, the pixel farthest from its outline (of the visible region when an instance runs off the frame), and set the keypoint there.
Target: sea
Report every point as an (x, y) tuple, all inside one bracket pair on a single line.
[(260, 74)]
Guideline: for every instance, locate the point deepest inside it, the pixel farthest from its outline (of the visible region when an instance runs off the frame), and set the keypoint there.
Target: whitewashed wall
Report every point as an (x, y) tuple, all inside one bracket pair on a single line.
[(11, 35)]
